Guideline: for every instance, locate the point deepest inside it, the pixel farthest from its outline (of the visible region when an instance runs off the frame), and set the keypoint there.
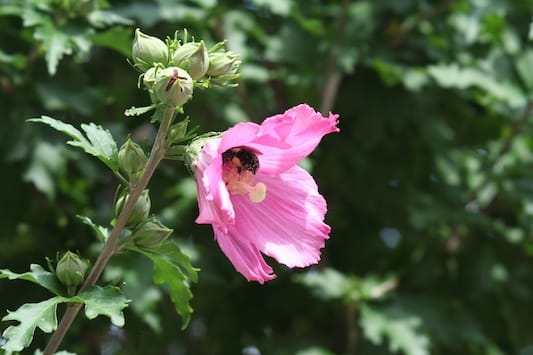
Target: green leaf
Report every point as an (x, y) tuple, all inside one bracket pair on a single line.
[(102, 18), (47, 167), (524, 66), (403, 330), (101, 232), (40, 315), (174, 268), (56, 44), (37, 275), (330, 284), (100, 143), (107, 301), (116, 38), (326, 284), (453, 76), (62, 352)]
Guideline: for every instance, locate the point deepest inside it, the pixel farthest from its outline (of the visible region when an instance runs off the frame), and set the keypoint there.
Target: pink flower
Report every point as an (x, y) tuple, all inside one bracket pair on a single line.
[(255, 196)]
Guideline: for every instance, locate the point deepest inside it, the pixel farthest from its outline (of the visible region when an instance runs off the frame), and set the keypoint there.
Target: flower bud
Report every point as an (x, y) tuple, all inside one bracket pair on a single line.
[(192, 57), (221, 63), (71, 270), (150, 234), (148, 50), (132, 158), (173, 86), (149, 77), (140, 211)]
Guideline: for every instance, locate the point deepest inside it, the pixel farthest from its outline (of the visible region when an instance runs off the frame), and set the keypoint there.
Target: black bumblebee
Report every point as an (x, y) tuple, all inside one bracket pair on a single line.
[(241, 158)]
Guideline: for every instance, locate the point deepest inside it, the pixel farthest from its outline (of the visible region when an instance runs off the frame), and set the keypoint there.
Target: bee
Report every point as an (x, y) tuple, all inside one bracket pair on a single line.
[(241, 158)]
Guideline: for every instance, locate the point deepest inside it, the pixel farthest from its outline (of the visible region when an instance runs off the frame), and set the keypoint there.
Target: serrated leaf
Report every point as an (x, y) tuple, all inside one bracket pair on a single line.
[(30, 316), (402, 330), (173, 252), (100, 143), (56, 44), (173, 268), (37, 275), (107, 301), (103, 143), (101, 232)]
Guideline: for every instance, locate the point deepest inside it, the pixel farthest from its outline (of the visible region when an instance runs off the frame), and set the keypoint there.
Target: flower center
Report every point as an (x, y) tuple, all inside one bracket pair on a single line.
[(239, 166)]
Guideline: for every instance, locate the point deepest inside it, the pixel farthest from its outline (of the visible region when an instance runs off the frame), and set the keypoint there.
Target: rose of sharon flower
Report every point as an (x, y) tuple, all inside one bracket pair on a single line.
[(255, 196)]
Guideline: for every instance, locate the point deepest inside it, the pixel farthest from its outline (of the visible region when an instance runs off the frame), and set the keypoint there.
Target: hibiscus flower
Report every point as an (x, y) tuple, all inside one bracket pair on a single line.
[(255, 196)]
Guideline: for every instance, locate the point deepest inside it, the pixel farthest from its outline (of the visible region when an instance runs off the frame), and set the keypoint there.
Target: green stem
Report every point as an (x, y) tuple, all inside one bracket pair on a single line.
[(110, 246)]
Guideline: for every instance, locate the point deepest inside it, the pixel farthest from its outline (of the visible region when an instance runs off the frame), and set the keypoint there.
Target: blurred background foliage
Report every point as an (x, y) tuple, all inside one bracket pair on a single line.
[(429, 183)]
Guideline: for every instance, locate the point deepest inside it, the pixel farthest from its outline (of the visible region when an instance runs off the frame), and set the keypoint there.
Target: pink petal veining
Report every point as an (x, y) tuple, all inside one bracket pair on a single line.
[(289, 224)]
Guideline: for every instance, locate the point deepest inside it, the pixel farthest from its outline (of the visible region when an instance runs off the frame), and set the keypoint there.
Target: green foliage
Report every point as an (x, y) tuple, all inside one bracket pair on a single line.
[(37, 275), (98, 142), (402, 329), (429, 183), (107, 301), (30, 316), (173, 268)]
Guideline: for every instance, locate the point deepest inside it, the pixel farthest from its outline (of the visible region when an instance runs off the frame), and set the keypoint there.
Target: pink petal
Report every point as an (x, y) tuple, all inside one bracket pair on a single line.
[(244, 256), (288, 225), (214, 202), (282, 140), (298, 131)]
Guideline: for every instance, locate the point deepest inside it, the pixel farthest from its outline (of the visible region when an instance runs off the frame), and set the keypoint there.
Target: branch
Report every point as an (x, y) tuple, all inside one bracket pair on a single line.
[(333, 76), (110, 246)]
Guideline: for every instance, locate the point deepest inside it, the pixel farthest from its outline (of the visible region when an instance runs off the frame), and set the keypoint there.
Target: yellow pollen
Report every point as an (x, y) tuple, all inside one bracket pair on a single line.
[(242, 183)]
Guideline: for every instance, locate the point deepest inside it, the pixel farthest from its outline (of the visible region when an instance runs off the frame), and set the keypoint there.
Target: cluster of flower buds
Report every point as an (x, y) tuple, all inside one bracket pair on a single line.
[(171, 70), (145, 231)]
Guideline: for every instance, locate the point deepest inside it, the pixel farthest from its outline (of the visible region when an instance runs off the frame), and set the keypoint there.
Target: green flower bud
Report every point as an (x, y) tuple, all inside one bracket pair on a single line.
[(71, 270), (192, 57), (150, 234), (173, 86), (132, 158), (149, 77), (148, 50), (221, 63), (140, 211)]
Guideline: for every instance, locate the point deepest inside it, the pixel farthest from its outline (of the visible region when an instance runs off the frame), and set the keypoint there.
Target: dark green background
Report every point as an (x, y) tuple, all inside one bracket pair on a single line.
[(429, 183)]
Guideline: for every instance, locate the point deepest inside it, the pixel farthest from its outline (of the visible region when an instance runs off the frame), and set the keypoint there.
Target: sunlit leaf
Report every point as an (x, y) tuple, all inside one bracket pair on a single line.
[(30, 316), (56, 45), (101, 232), (48, 164), (173, 268), (100, 143), (37, 275), (402, 331), (326, 284), (107, 301)]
